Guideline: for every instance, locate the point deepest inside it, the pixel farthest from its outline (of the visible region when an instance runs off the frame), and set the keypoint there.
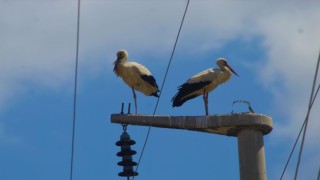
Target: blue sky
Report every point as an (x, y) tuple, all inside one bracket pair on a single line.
[(272, 45)]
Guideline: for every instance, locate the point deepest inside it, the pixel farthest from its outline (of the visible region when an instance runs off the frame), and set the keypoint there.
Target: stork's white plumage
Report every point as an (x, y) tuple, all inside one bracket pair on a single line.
[(136, 76), (202, 83)]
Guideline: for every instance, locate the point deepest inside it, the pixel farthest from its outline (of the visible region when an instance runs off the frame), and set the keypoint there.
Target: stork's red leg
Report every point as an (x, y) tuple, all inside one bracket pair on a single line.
[(207, 109), (135, 100), (205, 100)]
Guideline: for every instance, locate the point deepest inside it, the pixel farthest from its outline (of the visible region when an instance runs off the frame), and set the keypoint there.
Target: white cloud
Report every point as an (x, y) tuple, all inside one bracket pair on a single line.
[(292, 40), (35, 46)]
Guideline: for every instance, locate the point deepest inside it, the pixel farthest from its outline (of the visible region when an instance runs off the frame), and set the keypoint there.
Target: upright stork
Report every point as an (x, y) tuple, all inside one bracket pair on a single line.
[(136, 76), (202, 83)]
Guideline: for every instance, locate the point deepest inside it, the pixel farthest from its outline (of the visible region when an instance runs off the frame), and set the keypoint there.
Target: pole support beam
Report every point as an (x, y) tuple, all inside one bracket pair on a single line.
[(226, 124)]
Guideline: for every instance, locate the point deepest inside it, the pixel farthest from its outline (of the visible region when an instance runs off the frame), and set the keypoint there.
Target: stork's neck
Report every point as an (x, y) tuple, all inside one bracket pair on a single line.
[(226, 70), (118, 64), (121, 60), (223, 75)]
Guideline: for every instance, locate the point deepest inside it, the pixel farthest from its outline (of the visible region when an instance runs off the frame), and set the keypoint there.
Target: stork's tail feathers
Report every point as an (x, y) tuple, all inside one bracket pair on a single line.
[(177, 100), (185, 92), (155, 94)]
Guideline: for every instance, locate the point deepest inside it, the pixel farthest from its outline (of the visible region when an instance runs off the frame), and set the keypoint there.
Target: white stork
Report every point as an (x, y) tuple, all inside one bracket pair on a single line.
[(202, 83), (136, 76)]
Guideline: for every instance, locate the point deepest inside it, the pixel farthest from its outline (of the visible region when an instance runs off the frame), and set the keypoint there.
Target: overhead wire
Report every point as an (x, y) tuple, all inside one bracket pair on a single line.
[(75, 93), (307, 118), (311, 102), (162, 85), (298, 137)]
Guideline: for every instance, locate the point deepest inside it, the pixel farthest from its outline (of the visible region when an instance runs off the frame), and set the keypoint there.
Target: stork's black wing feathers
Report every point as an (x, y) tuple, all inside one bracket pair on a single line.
[(187, 88), (150, 79)]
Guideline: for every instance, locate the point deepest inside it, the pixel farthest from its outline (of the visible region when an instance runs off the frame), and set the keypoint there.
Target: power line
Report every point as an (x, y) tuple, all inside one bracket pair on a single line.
[(307, 118), (75, 92), (162, 85), (298, 137), (303, 125)]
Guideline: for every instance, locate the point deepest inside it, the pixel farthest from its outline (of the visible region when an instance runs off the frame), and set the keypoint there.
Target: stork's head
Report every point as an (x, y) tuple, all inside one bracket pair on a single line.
[(122, 55), (222, 63)]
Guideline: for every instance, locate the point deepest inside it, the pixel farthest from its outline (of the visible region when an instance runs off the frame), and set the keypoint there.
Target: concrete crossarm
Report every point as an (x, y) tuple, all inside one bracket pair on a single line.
[(227, 124)]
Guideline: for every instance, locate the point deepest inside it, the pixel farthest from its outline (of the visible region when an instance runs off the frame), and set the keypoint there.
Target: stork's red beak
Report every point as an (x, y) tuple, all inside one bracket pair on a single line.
[(232, 70)]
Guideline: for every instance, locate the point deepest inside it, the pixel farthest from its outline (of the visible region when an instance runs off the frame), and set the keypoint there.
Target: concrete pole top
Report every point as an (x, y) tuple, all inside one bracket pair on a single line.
[(226, 124)]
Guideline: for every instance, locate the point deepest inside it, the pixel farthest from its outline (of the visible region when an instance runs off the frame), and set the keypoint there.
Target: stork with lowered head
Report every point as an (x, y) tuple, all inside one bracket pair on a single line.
[(136, 76)]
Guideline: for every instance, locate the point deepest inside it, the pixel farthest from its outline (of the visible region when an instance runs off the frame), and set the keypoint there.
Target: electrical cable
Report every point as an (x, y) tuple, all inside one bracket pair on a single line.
[(298, 137), (75, 92), (307, 118), (162, 85), (294, 146)]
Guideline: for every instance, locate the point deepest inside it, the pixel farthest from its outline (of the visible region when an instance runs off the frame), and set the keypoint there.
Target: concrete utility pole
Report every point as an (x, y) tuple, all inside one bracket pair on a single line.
[(248, 127)]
